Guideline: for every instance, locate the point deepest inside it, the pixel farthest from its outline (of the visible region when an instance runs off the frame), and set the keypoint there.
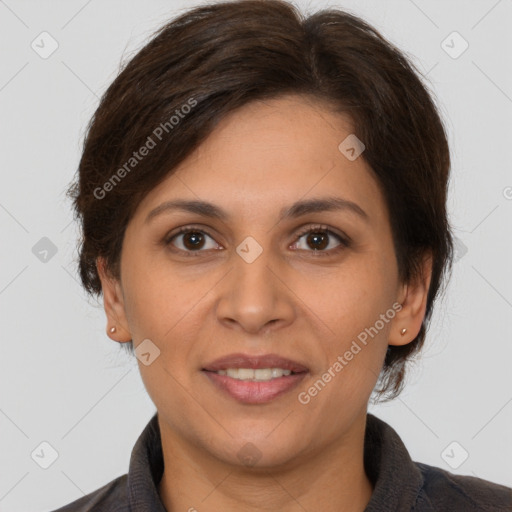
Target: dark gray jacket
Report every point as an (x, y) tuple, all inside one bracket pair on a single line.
[(399, 483)]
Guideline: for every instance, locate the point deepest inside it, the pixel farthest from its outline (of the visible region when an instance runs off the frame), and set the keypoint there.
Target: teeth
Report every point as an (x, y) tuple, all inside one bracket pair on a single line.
[(261, 374)]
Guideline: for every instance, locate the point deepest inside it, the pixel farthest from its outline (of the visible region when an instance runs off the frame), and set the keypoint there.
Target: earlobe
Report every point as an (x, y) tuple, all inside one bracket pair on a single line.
[(407, 322), (113, 304)]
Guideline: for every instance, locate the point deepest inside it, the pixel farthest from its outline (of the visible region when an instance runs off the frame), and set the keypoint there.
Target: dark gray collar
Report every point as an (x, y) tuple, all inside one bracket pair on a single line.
[(396, 478)]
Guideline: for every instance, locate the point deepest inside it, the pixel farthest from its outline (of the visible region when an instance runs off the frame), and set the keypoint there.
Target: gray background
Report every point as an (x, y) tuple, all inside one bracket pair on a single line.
[(64, 382)]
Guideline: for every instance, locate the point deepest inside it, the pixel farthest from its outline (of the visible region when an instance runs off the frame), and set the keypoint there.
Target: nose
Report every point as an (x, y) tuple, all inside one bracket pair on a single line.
[(254, 296)]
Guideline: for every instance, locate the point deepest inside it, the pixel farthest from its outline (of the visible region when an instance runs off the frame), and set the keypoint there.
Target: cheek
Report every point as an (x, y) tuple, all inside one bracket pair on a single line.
[(356, 309), (168, 309), (157, 296), (349, 299), (162, 307)]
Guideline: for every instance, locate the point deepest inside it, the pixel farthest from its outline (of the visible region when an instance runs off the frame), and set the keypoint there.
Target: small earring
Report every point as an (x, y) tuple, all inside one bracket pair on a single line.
[(112, 329), (403, 331)]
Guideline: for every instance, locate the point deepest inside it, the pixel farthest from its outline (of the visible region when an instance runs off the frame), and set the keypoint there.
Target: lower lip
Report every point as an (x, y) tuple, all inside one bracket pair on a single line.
[(251, 392)]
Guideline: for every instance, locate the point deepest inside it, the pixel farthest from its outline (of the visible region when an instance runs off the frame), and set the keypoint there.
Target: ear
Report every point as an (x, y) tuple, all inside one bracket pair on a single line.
[(413, 298), (113, 302)]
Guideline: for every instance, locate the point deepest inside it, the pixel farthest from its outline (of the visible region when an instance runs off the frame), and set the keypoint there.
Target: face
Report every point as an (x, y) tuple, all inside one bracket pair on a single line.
[(308, 285)]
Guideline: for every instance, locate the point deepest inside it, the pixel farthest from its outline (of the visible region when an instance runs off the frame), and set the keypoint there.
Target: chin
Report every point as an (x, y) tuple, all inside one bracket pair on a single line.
[(254, 452)]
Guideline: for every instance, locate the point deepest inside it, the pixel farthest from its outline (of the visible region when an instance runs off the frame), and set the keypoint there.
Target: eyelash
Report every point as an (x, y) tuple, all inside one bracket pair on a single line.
[(319, 228)]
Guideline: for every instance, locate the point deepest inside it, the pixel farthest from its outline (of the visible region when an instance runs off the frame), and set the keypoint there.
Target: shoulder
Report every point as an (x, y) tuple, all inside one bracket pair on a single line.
[(443, 490), (112, 497)]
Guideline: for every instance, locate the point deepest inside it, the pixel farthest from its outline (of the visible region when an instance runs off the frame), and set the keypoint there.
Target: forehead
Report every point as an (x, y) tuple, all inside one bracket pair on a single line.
[(272, 152)]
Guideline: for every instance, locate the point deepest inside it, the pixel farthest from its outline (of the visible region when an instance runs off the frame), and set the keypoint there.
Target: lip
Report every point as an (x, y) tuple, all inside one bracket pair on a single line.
[(252, 392), (240, 360)]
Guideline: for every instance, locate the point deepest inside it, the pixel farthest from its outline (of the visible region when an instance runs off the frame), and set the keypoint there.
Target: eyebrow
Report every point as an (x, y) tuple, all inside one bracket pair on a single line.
[(303, 207)]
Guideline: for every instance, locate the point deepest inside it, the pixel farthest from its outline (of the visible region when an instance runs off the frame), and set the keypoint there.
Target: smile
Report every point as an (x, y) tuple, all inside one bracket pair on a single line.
[(262, 374)]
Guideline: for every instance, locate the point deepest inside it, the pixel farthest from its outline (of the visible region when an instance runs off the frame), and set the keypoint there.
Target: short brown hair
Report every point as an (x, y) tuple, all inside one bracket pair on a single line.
[(220, 57)]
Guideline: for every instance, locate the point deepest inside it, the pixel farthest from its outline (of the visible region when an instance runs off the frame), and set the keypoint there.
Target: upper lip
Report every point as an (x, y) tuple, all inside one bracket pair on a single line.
[(258, 361)]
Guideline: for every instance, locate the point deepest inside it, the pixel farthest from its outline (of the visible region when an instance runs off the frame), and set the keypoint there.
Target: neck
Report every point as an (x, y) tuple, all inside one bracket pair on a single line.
[(332, 479)]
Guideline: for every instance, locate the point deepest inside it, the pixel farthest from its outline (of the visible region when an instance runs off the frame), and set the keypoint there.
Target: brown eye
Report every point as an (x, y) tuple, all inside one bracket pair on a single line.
[(193, 240), (190, 240), (318, 240)]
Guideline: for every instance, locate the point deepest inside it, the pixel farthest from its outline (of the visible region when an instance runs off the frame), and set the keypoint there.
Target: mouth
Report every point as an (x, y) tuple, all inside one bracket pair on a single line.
[(255, 379)]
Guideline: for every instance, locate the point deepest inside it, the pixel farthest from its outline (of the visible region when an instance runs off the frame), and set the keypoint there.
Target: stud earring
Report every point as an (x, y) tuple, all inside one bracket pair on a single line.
[(403, 331), (112, 329)]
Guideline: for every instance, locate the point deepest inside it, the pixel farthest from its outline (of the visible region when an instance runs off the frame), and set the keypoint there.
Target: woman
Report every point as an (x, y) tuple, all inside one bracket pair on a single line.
[(263, 205)]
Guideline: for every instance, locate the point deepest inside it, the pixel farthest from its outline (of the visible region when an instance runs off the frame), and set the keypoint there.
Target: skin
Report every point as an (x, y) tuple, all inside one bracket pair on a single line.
[(288, 301)]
